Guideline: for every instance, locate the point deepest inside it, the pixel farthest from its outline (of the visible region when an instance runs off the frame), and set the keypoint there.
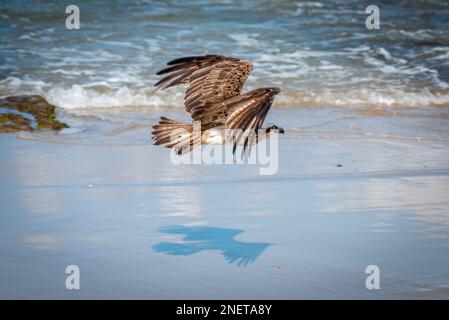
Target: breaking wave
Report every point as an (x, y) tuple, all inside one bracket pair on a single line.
[(318, 53)]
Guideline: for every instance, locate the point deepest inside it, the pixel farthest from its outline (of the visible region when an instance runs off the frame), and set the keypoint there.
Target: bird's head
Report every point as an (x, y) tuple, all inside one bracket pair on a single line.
[(274, 90), (272, 128)]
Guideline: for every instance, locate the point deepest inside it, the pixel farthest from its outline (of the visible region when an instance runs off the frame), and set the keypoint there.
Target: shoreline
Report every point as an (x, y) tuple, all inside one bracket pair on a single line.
[(102, 206)]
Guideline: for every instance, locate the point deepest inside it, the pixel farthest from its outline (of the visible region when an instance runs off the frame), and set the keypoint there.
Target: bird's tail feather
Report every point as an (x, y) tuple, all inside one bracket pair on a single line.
[(174, 134)]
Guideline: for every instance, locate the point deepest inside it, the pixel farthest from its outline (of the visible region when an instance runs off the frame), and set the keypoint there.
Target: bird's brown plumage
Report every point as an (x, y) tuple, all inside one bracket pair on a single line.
[(213, 95)]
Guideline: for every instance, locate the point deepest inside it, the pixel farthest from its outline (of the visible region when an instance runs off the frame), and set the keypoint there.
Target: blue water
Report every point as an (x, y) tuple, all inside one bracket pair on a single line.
[(363, 167), (319, 53)]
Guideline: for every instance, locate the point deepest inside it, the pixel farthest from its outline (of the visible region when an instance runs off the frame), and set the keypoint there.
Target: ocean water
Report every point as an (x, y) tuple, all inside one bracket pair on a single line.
[(319, 53), (363, 171)]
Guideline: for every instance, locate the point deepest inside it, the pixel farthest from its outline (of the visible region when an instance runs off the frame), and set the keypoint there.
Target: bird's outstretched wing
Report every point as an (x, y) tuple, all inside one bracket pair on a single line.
[(211, 79), (246, 112)]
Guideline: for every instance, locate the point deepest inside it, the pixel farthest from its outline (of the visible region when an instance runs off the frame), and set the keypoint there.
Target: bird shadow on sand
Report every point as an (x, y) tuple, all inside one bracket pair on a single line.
[(197, 239)]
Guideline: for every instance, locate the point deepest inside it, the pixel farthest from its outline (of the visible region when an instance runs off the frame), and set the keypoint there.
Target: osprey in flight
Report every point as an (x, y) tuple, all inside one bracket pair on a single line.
[(213, 98)]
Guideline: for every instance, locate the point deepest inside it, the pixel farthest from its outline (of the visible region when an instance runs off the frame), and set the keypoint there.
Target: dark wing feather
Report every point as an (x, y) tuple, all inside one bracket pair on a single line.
[(187, 65), (181, 69), (215, 84), (248, 112), (211, 79)]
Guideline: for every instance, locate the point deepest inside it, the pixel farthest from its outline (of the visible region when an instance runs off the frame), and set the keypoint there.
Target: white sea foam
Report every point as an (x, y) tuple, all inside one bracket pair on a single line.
[(118, 72), (357, 92), (442, 53), (364, 97), (309, 4), (422, 34), (245, 39), (77, 97)]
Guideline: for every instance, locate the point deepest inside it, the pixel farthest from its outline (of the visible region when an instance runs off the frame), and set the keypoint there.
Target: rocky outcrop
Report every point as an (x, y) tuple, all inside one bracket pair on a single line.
[(28, 113)]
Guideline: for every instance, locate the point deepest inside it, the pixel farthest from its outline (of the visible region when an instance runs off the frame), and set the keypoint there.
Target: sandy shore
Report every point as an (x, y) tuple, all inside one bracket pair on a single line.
[(353, 189)]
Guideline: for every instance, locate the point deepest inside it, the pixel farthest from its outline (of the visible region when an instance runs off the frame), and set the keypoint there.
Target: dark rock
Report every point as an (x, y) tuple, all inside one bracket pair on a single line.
[(10, 122), (25, 108)]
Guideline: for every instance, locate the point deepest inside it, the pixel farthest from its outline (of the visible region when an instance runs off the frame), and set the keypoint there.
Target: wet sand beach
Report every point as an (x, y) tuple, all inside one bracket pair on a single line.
[(351, 191), (362, 174)]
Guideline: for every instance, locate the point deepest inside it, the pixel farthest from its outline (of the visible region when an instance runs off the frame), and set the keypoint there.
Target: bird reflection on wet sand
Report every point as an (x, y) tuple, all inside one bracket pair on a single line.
[(197, 239)]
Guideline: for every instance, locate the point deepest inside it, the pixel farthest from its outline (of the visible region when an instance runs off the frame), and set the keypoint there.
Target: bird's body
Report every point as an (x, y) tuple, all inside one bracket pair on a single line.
[(214, 100), (214, 136)]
